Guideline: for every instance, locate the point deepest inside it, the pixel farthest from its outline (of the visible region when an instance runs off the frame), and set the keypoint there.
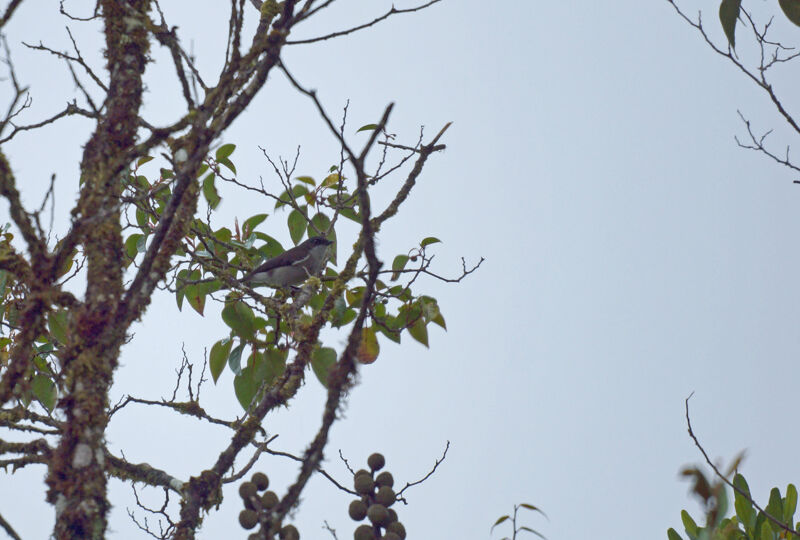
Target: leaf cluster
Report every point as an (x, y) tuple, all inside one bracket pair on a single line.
[(748, 522), (262, 331)]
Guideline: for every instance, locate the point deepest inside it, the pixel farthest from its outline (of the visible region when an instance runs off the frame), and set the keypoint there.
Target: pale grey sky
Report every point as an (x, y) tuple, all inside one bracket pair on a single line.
[(633, 255)]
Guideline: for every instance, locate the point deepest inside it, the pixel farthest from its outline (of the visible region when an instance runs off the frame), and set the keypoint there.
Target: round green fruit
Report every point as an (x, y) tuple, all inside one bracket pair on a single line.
[(260, 480), (363, 484), (247, 490), (378, 514), (385, 479), (364, 532), (376, 461), (791, 8), (269, 499), (385, 496), (357, 510), (248, 519), (289, 532), (397, 528)]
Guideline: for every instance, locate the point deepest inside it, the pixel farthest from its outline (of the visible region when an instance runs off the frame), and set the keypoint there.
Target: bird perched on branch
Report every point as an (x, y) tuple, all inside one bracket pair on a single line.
[(291, 267)]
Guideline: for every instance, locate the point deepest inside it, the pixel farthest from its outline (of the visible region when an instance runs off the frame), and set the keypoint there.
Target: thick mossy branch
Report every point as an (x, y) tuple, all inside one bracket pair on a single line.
[(77, 477)]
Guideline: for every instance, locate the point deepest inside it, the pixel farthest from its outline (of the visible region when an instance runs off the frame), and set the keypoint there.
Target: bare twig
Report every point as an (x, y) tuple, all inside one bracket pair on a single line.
[(12, 6), (730, 484), (9, 529), (392, 11), (430, 473)]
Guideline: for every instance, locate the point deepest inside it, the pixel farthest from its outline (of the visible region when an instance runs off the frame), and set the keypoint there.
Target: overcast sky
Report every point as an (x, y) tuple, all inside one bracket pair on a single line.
[(634, 255)]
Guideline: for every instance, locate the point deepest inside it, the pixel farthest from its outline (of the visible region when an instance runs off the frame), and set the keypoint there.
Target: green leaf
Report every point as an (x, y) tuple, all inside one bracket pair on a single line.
[(67, 266), (227, 163), (332, 180), (689, 524), (790, 503), (500, 520), (341, 314), (44, 390), (322, 359), (744, 509), (222, 234), (240, 318), (196, 298), (354, 296), (224, 151), (210, 191), (429, 240), (141, 218), (419, 332), (409, 314), (368, 127), (297, 225), (245, 386), (347, 317), (390, 329), (130, 245), (672, 535), (180, 285), (298, 191), (142, 160), (398, 264), (728, 14), (235, 359), (345, 205), (57, 323), (252, 222), (429, 307), (368, 349), (722, 506), (775, 508), (537, 533), (193, 293), (306, 180), (141, 244), (218, 357), (321, 222), (274, 364), (528, 506), (271, 248), (439, 319)]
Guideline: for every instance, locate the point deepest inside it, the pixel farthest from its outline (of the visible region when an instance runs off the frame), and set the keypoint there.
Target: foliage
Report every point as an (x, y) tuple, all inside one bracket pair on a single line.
[(729, 12), (748, 522), (512, 520), (260, 329), (147, 219)]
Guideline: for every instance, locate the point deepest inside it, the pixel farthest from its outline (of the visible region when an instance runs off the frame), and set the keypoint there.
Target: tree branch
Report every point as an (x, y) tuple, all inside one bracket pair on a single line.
[(392, 11)]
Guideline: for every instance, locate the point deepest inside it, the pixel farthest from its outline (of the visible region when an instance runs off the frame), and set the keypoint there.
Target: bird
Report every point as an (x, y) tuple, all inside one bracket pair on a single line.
[(291, 267)]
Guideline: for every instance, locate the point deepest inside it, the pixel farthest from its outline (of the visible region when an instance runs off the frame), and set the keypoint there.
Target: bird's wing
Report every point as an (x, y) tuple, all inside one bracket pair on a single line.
[(284, 259)]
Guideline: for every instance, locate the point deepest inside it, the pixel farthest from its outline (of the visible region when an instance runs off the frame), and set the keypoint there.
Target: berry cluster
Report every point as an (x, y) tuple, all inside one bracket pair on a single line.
[(257, 508), (377, 496)]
